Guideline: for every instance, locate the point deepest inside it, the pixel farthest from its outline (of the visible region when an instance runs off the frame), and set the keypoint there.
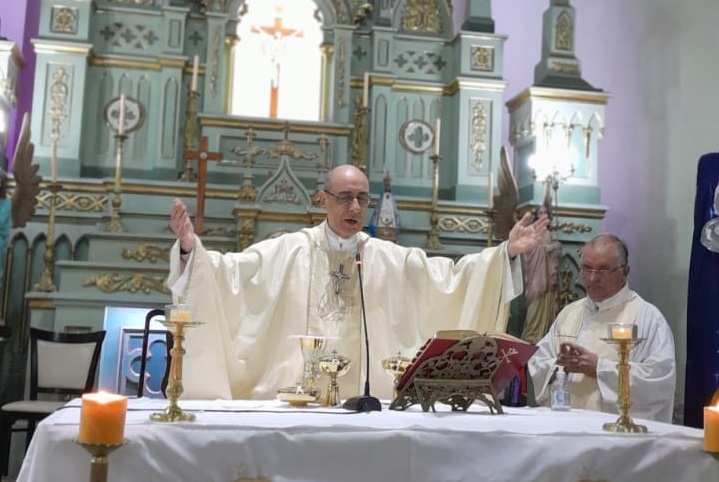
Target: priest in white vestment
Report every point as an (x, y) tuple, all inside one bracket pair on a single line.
[(592, 363), (251, 303)]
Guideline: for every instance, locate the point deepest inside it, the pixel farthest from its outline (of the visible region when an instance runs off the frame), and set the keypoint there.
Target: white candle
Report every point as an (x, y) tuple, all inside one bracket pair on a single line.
[(437, 128), (195, 71), (121, 121), (53, 160), (365, 90)]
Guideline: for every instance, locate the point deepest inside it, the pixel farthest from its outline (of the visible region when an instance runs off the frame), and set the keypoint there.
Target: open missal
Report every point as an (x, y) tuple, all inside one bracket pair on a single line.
[(458, 367)]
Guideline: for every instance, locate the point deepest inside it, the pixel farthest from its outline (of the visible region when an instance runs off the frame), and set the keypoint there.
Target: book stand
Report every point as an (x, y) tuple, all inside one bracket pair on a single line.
[(455, 372)]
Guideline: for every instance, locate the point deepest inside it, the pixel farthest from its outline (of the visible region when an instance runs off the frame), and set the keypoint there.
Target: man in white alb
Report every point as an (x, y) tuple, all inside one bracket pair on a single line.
[(592, 363), (306, 282)]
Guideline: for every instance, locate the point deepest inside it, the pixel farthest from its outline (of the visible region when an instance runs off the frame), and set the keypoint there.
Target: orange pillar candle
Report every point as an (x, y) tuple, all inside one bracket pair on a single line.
[(102, 419), (711, 428)]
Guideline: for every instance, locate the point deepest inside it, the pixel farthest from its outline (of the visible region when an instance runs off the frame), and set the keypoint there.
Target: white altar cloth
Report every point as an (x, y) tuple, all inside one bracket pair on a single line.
[(243, 440)]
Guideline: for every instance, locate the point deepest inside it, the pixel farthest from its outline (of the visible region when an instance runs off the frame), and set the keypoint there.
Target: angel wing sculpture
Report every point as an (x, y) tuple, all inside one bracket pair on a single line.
[(505, 202), (27, 180)]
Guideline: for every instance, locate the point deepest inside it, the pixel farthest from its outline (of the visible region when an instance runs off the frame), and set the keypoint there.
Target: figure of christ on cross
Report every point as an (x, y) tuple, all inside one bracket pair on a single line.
[(202, 155), (339, 278), (275, 48)]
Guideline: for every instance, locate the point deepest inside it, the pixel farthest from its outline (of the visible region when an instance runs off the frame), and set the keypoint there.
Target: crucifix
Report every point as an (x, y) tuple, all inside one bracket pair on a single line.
[(276, 46), (202, 155), (339, 278)]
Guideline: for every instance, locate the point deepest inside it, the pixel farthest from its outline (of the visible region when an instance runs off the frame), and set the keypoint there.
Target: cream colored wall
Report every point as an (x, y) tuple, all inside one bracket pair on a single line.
[(657, 60)]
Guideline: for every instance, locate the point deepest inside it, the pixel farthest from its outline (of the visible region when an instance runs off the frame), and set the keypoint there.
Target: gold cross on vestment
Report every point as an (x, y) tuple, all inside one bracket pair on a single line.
[(339, 278)]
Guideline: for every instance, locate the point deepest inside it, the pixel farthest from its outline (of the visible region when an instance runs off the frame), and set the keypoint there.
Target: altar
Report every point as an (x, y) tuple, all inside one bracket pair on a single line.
[(242, 441)]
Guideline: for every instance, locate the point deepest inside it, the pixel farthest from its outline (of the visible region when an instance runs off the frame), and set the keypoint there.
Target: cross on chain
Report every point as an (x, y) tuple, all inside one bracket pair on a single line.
[(339, 278), (202, 155)]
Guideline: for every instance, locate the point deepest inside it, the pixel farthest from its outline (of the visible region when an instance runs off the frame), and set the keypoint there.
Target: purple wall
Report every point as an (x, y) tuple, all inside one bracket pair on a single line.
[(20, 19)]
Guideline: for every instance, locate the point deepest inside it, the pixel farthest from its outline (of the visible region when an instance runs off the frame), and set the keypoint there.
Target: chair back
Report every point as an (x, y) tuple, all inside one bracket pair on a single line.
[(145, 349), (63, 363)]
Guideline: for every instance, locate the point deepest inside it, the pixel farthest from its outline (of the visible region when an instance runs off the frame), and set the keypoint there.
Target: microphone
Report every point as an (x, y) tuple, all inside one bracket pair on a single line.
[(366, 402)]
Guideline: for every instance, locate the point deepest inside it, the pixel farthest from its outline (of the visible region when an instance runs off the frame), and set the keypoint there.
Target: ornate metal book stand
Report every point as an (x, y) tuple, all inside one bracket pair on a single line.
[(454, 372)]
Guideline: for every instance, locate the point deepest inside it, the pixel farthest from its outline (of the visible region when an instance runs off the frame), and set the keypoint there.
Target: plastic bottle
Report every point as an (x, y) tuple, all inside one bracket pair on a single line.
[(561, 392)]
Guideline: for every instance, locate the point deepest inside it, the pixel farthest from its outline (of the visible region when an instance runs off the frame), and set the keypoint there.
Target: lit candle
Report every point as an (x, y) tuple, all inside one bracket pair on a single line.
[(619, 331), (102, 419), (53, 160), (365, 90), (437, 129), (121, 121), (195, 71), (179, 313), (711, 428)]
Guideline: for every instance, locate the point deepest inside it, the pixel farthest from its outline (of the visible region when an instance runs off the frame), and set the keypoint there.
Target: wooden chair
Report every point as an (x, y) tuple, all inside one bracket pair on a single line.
[(62, 365), (145, 350)]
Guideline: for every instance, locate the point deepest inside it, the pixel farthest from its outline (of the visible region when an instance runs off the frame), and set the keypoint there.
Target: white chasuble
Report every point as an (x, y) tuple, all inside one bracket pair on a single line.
[(252, 303)]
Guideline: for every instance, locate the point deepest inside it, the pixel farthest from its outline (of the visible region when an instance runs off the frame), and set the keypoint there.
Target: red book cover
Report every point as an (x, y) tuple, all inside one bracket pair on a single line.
[(512, 354)]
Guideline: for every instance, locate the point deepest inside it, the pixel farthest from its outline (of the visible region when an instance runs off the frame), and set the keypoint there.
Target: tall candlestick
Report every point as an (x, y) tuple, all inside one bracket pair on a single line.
[(437, 128), (195, 71), (490, 191), (121, 121), (365, 90), (53, 160), (102, 418)]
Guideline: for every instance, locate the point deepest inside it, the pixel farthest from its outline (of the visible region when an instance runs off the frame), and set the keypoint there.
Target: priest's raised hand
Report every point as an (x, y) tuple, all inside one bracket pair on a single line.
[(526, 235), (181, 225)]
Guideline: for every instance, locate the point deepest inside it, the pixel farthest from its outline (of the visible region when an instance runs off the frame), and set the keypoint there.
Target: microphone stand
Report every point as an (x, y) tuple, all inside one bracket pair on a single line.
[(366, 402)]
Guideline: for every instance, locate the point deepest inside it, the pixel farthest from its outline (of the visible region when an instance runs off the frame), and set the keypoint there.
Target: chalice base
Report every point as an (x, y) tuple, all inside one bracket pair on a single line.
[(624, 426)]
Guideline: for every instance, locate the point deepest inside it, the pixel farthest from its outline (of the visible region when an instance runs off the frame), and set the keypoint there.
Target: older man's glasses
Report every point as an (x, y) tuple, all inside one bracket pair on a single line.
[(345, 198), (587, 271)]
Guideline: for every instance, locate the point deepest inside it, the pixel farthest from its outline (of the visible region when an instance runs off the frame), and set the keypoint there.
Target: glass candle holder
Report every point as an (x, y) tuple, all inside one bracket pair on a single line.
[(178, 313), (622, 331)]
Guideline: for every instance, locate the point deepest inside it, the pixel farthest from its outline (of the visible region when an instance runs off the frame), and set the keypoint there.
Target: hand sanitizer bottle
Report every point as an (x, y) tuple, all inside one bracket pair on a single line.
[(561, 392)]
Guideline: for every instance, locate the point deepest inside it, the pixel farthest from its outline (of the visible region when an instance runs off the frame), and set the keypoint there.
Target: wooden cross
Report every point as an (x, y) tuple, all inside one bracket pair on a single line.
[(202, 155)]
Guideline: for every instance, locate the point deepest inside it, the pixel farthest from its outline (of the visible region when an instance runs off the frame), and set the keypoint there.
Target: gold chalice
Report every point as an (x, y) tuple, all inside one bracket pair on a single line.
[(312, 347), (396, 366), (335, 366)]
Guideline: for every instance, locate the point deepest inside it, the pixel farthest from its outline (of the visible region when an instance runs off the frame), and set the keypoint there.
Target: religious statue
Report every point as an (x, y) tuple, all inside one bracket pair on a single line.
[(15, 212)]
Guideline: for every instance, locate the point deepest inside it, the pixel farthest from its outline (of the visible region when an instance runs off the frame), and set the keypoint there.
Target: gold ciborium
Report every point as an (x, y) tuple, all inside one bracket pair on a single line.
[(177, 319), (624, 338), (334, 366), (396, 366)]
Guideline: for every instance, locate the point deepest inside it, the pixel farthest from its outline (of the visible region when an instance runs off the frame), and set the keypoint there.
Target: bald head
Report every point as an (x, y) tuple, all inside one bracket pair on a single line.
[(345, 186), (344, 172)]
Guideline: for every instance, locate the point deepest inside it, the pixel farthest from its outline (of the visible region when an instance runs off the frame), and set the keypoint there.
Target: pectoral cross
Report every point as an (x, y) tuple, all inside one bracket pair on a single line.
[(339, 278)]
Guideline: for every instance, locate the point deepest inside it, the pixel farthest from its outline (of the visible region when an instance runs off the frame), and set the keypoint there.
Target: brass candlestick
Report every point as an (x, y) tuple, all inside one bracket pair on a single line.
[(433, 236), (187, 174), (99, 462), (115, 225), (177, 320), (46, 283), (624, 423), (359, 139), (490, 227)]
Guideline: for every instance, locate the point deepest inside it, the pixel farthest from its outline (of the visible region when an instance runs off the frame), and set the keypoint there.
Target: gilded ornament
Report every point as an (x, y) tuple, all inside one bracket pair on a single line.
[(149, 252), (564, 32), (479, 134), (482, 59), (134, 283)]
